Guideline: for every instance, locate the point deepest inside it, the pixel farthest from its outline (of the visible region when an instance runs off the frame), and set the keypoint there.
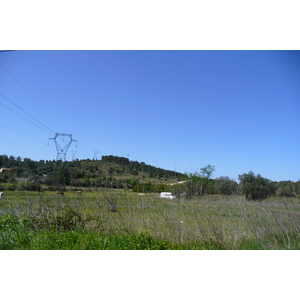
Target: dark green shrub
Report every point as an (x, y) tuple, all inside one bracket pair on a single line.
[(69, 220), (255, 187), (11, 187), (3, 179), (225, 186)]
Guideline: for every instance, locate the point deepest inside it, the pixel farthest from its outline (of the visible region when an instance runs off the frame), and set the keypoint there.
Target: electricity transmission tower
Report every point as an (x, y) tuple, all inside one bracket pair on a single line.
[(62, 146), (96, 151), (74, 154)]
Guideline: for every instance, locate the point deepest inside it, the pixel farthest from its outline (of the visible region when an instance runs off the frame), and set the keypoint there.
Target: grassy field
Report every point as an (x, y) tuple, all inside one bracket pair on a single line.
[(99, 219)]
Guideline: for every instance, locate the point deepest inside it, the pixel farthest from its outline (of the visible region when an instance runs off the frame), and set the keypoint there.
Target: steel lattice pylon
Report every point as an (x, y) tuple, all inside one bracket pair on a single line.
[(62, 149), (73, 154), (96, 151)]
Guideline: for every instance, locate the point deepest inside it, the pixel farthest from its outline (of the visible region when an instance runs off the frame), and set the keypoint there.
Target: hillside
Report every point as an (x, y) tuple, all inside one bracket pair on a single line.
[(110, 171)]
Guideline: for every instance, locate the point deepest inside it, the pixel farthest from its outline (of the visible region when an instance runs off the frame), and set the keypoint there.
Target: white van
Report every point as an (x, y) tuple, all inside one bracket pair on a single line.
[(167, 195)]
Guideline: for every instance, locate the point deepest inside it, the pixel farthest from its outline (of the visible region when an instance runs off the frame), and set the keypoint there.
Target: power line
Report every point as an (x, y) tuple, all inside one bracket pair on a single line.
[(24, 117), (22, 134), (83, 152), (19, 146), (28, 92), (26, 113)]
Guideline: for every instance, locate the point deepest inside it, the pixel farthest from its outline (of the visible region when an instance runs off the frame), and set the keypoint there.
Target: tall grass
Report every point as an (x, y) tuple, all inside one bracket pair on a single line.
[(110, 220)]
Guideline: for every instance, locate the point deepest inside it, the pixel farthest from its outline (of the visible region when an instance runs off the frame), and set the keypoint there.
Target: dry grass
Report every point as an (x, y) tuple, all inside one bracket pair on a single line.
[(217, 222)]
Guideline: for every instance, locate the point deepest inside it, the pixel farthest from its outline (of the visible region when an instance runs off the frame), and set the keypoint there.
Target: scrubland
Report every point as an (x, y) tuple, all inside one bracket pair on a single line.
[(108, 219)]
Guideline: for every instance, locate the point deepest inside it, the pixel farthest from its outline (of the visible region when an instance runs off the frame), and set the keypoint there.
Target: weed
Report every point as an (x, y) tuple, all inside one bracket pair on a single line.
[(111, 220)]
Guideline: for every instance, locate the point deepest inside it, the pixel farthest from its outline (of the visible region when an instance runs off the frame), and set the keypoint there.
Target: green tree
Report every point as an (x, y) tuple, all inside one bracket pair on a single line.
[(287, 188), (207, 171), (200, 182), (225, 186), (133, 182), (62, 176), (255, 187)]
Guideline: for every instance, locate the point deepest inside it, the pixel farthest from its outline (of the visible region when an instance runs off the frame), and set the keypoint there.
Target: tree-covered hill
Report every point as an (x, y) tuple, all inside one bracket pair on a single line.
[(110, 171), (120, 172)]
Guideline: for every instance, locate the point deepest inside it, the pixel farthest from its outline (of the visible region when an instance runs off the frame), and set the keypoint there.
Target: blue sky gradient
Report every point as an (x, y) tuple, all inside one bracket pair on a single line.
[(183, 110)]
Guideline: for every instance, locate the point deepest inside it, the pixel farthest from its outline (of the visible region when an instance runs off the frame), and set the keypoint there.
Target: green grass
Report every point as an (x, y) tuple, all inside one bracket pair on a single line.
[(31, 220), (20, 234)]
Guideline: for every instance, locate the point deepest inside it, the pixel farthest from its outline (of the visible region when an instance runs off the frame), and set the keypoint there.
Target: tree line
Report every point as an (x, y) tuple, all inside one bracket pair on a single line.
[(26, 174), (253, 187)]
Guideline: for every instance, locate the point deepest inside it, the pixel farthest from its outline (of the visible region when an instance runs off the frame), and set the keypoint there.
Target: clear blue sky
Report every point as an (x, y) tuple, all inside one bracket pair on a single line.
[(237, 110)]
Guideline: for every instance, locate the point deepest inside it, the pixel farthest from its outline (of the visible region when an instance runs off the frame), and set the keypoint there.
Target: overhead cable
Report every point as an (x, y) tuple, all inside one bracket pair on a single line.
[(27, 91), (23, 134), (19, 146), (83, 152), (25, 112), (23, 117)]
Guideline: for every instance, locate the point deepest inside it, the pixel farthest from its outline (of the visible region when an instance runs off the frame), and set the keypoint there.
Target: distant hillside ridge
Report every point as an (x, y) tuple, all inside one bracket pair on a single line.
[(110, 169), (141, 167)]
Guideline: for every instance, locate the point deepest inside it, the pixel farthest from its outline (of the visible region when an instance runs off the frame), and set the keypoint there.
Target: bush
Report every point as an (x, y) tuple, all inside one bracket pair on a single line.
[(255, 187), (225, 186), (287, 189), (69, 220), (29, 187), (3, 179), (11, 187)]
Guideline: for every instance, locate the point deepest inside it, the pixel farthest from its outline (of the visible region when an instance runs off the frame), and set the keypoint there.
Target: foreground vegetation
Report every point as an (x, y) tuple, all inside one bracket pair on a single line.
[(107, 219)]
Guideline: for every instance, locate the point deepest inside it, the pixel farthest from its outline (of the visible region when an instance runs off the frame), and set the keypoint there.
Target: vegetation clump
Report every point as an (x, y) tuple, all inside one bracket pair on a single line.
[(255, 187)]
